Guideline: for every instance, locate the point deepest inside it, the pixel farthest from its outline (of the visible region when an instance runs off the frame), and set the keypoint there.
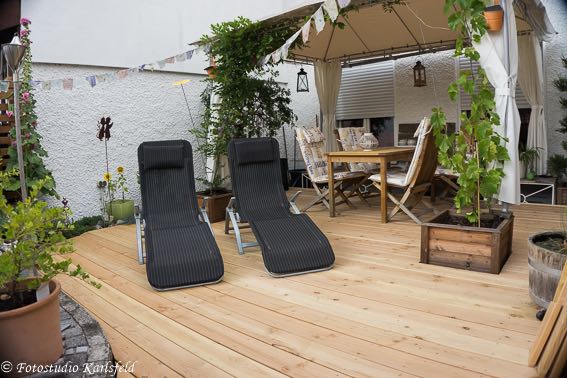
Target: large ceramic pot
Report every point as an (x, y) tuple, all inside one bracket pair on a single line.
[(122, 209), (32, 334)]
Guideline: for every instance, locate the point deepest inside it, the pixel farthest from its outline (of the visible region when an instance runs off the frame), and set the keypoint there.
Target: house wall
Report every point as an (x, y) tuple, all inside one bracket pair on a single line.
[(100, 36), (553, 51), (414, 103), (143, 107)]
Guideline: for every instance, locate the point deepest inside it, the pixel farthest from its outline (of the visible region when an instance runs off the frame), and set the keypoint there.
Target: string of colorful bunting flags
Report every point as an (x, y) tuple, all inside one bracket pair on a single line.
[(331, 7), (92, 80)]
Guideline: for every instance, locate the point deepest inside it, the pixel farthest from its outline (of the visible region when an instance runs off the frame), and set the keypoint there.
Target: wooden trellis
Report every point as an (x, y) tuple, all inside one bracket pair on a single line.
[(6, 124)]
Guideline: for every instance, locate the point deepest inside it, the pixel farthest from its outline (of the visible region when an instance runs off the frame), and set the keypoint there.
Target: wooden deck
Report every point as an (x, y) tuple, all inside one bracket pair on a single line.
[(378, 312)]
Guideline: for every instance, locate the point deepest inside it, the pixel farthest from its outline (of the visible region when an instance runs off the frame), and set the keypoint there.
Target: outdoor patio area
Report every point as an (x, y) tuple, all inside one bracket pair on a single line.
[(379, 312)]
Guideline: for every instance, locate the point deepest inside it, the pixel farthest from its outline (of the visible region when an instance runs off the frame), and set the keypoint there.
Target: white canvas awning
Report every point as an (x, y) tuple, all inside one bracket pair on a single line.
[(373, 33), (415, 26)]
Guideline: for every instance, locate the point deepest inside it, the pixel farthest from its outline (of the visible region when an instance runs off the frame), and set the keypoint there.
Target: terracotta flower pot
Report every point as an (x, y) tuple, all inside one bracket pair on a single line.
[(494, 16), (32, 334)]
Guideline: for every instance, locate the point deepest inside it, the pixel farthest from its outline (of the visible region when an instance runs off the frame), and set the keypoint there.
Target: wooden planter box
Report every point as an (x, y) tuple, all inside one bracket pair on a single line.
[(473, 248), (216, 205)]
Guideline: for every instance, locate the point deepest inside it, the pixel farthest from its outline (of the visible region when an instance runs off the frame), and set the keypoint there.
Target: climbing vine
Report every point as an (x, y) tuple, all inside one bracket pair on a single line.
[(476, 151), (253, 102), (34, 166)]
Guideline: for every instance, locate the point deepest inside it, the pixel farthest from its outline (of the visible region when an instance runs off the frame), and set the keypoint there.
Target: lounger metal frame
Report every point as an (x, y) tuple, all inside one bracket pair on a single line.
[(233, 222)]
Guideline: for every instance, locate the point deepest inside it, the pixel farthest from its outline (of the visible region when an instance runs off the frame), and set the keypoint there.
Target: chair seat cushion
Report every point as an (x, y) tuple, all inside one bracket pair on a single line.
[(292, 245), (338, 176), (393, 178), (182, 256)]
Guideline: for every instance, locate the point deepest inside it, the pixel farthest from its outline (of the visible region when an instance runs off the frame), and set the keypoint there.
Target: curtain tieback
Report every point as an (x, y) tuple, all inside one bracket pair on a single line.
[(537, 109), (505, 91)]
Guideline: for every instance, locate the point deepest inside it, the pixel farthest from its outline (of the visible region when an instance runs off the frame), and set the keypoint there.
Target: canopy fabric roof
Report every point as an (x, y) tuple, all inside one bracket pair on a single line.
[(371, 31)]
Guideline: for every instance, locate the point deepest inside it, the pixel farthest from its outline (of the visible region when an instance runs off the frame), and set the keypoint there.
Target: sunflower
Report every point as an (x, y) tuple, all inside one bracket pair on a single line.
[(120, 169), (107, 176)]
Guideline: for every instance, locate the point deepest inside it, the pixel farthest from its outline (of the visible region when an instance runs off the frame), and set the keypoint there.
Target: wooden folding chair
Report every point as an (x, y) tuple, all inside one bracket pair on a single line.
[(417, 180), (311, 142)]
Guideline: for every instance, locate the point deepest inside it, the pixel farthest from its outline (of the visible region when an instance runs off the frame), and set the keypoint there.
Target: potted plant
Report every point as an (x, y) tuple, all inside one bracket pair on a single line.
[(494, 16), (31, 255), (528, 157), (557, 164), (547, 255), (120, 209), (252, 103), (473, 237)]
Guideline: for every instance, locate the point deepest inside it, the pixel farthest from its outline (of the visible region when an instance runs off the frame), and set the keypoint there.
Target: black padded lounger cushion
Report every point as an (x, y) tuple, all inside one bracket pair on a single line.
[(180, 249), (290, 243)]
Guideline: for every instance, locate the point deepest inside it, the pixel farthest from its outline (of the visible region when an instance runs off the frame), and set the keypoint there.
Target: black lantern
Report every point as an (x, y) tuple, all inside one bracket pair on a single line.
[(419, 79), (302, 82)]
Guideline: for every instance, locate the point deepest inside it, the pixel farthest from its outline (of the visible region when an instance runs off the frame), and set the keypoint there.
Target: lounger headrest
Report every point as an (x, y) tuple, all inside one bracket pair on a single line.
[(159, 157), (257, 150)]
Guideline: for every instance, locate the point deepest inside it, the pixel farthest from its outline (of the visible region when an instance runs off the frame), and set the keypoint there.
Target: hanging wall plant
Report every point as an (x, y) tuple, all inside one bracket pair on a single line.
[(35, 169), (494, 16)]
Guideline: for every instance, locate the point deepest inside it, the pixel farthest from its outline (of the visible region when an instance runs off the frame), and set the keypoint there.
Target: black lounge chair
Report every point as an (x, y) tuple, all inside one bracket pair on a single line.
[(180, 250), (290, 243)]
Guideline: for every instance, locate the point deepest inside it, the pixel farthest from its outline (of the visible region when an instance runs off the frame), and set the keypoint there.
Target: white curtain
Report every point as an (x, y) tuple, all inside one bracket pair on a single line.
[(530, 79), (328, 83), (494, 56)]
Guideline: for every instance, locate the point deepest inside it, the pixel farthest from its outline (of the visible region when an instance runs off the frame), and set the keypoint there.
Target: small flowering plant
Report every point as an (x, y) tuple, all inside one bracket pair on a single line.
[(121, 181), (119, 184)]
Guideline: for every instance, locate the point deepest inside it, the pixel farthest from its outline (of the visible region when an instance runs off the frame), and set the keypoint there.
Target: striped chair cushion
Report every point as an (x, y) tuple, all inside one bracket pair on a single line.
[(315, 162), (349, 138)]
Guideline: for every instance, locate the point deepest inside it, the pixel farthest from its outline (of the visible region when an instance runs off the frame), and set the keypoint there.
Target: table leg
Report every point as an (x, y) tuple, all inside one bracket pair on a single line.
[(384, 190), (331, 175)]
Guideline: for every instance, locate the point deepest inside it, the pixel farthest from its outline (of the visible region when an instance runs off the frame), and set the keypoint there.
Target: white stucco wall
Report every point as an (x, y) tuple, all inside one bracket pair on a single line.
[(553, 51), (414, 103), (143, 107)]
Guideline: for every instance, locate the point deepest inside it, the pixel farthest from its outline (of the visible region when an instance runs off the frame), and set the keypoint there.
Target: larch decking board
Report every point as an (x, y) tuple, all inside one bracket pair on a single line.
[(378, 312)]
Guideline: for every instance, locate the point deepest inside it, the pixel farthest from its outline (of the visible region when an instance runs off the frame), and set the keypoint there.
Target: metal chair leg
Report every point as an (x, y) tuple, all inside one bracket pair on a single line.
[(204, 215), (235, 220), (139, 234), (292, 203)]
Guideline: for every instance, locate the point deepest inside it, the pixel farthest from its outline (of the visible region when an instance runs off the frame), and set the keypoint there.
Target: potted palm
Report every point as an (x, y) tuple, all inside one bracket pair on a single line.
[(528, 157), (31, 256), (473, 237)]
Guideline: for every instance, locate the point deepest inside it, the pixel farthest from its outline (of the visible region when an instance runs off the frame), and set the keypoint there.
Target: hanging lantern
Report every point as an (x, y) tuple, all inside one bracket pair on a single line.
[(419, 79), (302, 82)]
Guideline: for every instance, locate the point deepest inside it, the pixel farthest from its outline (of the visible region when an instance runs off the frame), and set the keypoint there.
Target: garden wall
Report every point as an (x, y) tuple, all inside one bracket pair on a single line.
[(145, 106)]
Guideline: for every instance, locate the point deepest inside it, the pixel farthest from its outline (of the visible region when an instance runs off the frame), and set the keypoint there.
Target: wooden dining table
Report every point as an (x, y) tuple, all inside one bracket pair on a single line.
[(381, 156)]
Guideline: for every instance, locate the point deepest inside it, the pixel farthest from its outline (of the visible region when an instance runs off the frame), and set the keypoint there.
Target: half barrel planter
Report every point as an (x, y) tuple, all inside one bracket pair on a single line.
[(545, 267), (479, 249)]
